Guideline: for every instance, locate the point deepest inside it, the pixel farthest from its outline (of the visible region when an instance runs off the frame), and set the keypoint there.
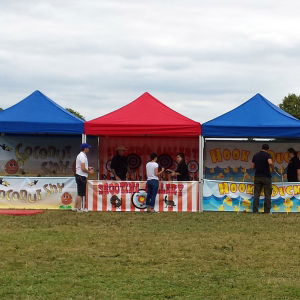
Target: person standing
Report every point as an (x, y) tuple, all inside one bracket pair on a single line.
[(181, 171), (119, 165), (152, 181), (82, 172), (262, 162), (293, 168)]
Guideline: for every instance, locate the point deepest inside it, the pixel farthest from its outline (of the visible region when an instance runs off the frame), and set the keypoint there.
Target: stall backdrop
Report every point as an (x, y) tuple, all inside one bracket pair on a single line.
[(139, 150), (231, 161), (131, 196), (28, 155)]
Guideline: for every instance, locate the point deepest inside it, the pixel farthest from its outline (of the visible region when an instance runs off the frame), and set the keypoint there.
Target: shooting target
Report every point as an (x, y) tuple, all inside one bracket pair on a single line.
[(165, 161), (134, 161), (193, 166), (139, 199), (108, 168)]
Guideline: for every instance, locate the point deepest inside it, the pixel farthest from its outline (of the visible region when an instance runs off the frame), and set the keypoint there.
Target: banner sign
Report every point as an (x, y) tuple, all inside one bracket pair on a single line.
[(26, 155), (139, 150), (231, 161), (238, 196), (131, 196), (38, 192)]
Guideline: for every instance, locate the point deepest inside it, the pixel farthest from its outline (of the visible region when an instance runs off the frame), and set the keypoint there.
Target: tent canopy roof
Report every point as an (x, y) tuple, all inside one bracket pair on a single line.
[(257, 117), (39, 114), (144, 116)]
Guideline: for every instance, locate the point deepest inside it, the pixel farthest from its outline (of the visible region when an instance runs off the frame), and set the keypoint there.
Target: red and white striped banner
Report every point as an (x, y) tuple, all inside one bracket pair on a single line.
[(131, 196)]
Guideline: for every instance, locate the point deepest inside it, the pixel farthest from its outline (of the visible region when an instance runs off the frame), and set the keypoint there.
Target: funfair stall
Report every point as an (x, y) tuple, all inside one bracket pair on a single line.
[(38, 145), (228, 183), (144, 126)]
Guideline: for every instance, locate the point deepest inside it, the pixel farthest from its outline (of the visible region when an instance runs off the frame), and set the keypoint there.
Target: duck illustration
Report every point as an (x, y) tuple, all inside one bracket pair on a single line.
[(221, 176), (5, 147), (169, 202), (288, 202), (227, 201), (4, 182), (115, 201), (226, 170), (221, 207), (34, 182), (246, 203)]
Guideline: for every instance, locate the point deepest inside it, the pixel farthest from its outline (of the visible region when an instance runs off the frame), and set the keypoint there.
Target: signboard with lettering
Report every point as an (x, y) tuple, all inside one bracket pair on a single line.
[(131, 196), (238, 196), (38, 192)]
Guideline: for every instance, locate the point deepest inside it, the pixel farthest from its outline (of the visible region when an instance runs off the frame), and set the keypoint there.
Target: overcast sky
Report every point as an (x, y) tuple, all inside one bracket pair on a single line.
[(200, 57)]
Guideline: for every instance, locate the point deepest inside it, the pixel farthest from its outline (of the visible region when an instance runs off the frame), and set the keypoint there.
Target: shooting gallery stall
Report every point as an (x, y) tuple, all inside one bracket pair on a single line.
[(38, 145), (144, 126), (228, 177)]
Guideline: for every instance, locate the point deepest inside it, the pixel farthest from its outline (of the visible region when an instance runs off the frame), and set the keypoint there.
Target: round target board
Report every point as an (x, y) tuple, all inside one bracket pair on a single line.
[(139, 199), (165, 161), (134, 161), (193, 166), (108, 168)]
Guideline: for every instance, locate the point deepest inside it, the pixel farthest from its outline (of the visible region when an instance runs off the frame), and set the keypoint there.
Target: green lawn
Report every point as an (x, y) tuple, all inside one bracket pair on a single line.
[(66, 255)]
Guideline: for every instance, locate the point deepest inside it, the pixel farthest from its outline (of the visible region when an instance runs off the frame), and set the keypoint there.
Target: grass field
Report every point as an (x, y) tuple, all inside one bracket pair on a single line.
[(66, 255)]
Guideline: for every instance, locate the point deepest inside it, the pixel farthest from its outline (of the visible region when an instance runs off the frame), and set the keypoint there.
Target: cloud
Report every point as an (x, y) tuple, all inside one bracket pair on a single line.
[(199, 57)]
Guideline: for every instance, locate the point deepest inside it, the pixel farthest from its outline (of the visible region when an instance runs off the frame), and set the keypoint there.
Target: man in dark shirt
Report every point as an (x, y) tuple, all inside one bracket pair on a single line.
[(293, 168), (261, 162), (119, 164), (181, 171)]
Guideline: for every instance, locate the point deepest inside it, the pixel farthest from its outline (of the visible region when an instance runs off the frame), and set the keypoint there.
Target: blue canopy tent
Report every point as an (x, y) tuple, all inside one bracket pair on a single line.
[(37, 114), (257, 117)]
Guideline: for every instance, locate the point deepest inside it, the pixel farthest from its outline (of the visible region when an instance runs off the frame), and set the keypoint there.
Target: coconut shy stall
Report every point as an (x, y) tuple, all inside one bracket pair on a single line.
[(39, 143)]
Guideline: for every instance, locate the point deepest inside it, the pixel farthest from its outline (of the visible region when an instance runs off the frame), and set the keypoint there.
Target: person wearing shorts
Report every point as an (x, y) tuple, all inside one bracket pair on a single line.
[(82, 172)]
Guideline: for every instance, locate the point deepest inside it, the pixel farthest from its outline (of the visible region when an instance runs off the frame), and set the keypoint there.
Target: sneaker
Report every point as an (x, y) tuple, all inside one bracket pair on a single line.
[(74, 209), (85, 210)]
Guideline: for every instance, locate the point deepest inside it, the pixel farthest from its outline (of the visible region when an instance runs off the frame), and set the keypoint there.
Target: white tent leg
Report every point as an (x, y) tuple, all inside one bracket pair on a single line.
[(201, 147)]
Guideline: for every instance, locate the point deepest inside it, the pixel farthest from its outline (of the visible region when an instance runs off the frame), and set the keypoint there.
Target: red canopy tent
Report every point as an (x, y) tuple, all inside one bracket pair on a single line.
[(145, 116), (143, 126)]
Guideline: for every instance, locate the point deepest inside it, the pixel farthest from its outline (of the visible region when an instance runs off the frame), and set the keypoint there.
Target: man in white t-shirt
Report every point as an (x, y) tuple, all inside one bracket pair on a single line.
[(82, 172)]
